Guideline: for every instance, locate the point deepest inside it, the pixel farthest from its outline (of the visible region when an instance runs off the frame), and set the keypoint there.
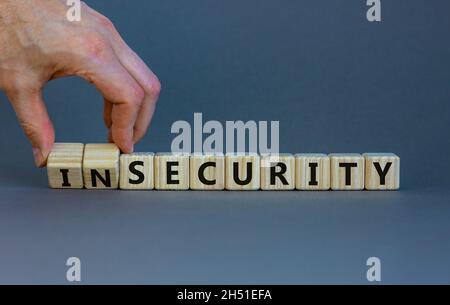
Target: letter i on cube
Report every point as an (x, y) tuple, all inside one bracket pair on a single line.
[(312, 172), (65, 166)]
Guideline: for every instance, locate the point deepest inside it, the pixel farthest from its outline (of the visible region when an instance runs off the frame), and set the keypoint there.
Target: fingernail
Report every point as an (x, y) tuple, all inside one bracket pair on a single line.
[(38, 158)]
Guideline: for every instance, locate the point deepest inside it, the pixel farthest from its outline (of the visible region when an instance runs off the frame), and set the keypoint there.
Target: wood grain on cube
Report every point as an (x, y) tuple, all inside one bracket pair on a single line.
[(171, 171), (312, 172), (277, 172), (382, 171), (242, 171), (347, 172), (207, 172), (136, 171), (101, 166), (65, 166)]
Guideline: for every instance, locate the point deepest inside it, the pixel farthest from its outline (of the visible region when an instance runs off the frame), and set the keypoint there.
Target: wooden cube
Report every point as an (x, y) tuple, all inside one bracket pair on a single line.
[(242, 171), (136, 171), (347, 171), (172, 171), (382, 171), (65, 166), (312, 172), (101, 166), (277, 172), (207, 172)]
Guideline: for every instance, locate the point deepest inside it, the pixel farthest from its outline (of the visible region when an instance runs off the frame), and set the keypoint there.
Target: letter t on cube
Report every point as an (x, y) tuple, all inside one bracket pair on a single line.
[(347, 172)]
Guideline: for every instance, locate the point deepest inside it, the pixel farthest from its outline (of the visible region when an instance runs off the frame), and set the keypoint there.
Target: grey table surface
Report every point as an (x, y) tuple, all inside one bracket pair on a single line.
[(158, 237), (334, 81)]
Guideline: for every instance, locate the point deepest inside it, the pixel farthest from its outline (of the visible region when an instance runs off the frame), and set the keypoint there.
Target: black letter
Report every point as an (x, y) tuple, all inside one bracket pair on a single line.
[(171, 172), (133, 170), (236, 174), (382, 173), (348, 171), (274, 174), (95, 174), (65, 176), (313, 176), (201, 173)]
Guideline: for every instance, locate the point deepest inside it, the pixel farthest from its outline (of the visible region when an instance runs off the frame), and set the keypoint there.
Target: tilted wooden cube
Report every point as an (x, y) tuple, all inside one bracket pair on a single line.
[(312, 172), (277, 172), (347, 172), (101, 166), (242, 171), (65, 166), (136, 171), (172, 171), (382, 171), (207, 172)]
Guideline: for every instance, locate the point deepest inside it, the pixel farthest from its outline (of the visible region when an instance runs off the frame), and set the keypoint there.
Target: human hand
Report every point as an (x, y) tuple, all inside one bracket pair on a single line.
[(38, 43)]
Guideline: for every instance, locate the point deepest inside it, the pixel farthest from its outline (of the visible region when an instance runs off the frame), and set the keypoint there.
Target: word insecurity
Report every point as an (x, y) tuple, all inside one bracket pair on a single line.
[(101, 166)]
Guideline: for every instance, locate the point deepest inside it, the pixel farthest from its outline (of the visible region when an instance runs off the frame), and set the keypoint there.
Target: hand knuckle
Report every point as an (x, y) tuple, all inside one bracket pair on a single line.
[(136, 95), (153, 86), (105, 22), (95, 46), (15, 85)]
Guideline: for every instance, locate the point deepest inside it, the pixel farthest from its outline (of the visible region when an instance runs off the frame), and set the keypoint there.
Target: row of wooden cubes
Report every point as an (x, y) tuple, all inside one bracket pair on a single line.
[(101, 166)]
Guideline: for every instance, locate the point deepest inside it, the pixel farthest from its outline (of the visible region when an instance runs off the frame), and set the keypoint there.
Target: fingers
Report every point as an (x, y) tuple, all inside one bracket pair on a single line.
[(98, 46), (143, 75), (33, 117), (148, 81), (123, 98), (144, 118)]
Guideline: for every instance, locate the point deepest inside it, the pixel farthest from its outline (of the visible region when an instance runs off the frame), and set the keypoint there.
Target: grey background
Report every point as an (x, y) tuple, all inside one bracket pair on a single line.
[(336, 83)]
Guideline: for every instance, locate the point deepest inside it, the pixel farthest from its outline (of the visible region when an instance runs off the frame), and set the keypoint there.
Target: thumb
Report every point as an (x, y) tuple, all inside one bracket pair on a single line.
[(35, 122)]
